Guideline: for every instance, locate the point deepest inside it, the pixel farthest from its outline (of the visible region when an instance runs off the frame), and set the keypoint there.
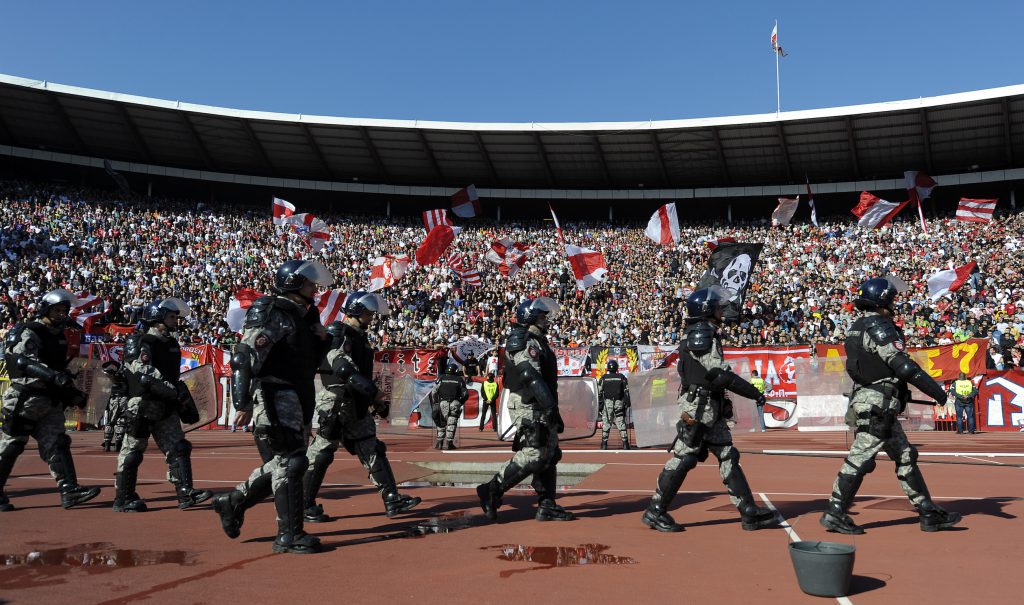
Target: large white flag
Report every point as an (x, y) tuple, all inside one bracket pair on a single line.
[(663, 227), (949, 280), (875, 212), (587, 265), (282, 210), (785, 210)]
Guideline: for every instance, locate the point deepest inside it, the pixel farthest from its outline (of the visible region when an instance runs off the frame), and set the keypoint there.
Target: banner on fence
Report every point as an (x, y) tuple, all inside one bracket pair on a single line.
[(1001, 401), (572, 361), (943, 362)]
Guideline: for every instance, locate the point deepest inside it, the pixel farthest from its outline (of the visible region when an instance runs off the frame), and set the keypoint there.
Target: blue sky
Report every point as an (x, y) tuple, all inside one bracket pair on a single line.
[(516, 61)]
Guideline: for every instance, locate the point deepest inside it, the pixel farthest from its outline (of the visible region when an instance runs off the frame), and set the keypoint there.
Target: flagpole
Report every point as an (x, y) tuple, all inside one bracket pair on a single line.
[(778, 87)]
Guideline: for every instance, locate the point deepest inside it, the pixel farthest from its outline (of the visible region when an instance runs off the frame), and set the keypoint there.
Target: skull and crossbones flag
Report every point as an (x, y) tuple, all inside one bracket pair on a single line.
[(731, 267)]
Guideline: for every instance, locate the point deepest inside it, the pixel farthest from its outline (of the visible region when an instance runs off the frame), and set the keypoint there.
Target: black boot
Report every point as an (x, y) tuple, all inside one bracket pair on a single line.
[(933, 518), (752, 516), (656, 516), (126, 500), (290, 535), (451, 445), (490, 493), (106, 445), (231, 506), (604, 443), (188, 496), (396, 503), (5, 503), (545, 484), (836, 520), (625, 442), (311, 482), (7, 460), (437, 444), (62, 465), (383, 477), (547, 510)]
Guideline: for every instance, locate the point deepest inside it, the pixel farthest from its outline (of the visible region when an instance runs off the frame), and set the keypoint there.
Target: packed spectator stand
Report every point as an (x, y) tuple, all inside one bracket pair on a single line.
[(131, 252)]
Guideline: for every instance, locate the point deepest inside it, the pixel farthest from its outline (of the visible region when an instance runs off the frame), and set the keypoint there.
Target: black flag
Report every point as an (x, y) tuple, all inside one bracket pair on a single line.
[(122, 182), (731, 267)]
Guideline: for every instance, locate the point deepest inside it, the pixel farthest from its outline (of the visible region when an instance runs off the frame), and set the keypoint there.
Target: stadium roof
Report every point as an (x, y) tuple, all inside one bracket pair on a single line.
[(746, 155)]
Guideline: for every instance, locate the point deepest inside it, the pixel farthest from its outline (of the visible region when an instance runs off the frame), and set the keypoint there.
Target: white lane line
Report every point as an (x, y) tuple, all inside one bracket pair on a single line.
[(996, 462), (793, 537), (922, 454)]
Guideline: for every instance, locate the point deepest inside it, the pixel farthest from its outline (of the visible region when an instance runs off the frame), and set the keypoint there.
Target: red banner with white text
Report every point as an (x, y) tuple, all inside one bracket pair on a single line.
[(1001, 401), (773, 364)]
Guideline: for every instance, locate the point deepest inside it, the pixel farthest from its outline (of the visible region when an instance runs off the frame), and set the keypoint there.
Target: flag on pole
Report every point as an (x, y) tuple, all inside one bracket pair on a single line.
[(433, 218), (466, 203), (975, 211), (460, 266), (313, 230), (775, 41), (558, 225), (875, 212), (785, 210), (510, 256), (122, 183), (810, 202), (282, 210), (434, 245), (919, 188), (587, 265), (950, 280), (663, 227), (238, 306), (329, 303), (387, 270), (86, 309)]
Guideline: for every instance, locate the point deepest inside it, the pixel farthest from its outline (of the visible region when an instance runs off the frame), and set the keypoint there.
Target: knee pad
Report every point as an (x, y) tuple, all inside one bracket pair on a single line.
[(556, 456), (863, 469), (687, 462), (323, 458), (183, 448), (733, 456), (380, 448), (132, 460), (913, 455), (296, 466), (534, 466)]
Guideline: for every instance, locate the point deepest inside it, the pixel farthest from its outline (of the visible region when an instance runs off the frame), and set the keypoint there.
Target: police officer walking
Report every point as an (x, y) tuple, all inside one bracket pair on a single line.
[(613, 393), (964, 393), (759, 384), (36, 353), (704, 410), (273, 372), (531, 375), (117, 405), (158, 402), (489, 389), (344, 408), (881, 371), (448, 395)]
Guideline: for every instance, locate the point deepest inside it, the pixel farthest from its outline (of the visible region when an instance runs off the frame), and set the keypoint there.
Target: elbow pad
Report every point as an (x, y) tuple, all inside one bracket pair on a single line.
[(343, 369), (241, 377), (533, 381), (907, 369), (26, 366), (361, 386), (723, 379), (159, 388)]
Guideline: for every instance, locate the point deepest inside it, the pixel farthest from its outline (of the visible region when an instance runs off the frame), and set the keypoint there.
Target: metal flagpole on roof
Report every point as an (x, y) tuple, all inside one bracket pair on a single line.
[(778, 86)]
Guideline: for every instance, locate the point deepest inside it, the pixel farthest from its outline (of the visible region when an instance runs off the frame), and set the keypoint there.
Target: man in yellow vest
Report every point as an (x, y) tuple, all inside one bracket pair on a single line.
[(964, 392), (490, 393), (759, 384)]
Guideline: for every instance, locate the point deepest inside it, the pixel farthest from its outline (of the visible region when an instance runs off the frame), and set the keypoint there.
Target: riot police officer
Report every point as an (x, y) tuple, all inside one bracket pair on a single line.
[(273, 372), (117, 405), (881, 370), (41, 387), (158, 402), (346, 408), (613, 393), (704, 410), (530, 375), (447, 398)]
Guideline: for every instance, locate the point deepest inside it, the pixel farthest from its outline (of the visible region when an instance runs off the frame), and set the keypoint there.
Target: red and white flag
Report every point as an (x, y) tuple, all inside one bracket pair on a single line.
[(459, 265), (919, 188), (87, 309), (950, 280), (387, 270), (329, 304), (433, 218), (510, 256), (975, 211), (810, 202), (713, 243), (558, 226), (775, 41), (785, 210), (238, 306), (874, 212), (663, 227), (434, 245), (314, 231), (466, 203), (282, 210), (587, 265)]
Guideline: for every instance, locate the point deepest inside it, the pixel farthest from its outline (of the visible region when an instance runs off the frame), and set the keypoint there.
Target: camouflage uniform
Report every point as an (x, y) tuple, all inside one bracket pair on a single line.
[(33, 407), (345, 419), (153, 410), (873, 345), (448, 395), (613, 390), (117, 405)]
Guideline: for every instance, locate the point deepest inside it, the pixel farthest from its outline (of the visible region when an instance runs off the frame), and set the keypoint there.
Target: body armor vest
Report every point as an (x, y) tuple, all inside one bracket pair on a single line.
[(613, 386), (450, 387), (166, 354), (53, 349), (548, 365), (293, 359), (863, 366), (357, 347), (691, 371)]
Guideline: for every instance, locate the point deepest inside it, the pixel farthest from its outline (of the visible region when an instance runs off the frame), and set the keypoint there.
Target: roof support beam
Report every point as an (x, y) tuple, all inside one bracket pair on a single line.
[(721, 156), (600, 158), (661, 161), (317, 152), (134, 130), (926, 134), (247, 127), (430, 154), (368, 140), (854, 160), (487, 157), (785, 151), (1007, 133), (65, 120), (544, 159), (200, 147)]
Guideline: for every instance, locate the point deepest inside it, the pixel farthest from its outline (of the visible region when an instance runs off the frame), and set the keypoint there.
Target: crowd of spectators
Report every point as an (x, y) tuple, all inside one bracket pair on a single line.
[(131, 252)]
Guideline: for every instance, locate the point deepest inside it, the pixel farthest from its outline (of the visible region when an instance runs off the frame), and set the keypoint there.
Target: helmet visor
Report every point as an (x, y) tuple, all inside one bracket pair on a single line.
[(177, 305), (547, 305), (372, 302), (60, 296), (316, 273), (896, 283)]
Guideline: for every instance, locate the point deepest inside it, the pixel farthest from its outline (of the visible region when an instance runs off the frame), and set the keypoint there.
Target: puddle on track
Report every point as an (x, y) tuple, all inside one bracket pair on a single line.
[(557, 556), (49, 566)]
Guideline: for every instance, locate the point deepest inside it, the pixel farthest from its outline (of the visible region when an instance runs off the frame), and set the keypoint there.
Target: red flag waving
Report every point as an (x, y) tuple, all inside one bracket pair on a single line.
[(466, 203), (387, 270), (663, 227), (587, 265), (433, 218), (282, 210), (434, 245), (949, 280), (874, 212)]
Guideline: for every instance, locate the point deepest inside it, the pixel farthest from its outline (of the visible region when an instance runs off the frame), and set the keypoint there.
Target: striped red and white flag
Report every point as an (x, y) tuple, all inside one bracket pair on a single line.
[(459, 265), (466, 202), (433, 218), (950, 280), (510, 256), (87, 309), (663, 227), (387, 270), (874, 212), (282, 210), (975, 211), (329, 303)]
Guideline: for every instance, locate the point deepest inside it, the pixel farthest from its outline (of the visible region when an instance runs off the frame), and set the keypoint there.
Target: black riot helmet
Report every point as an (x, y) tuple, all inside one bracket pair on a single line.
[(292, 274), (703, 303), (879, 293), (361, 301), (156, 311), (53, 298), (613, 366), (530, 310), (453, 368)]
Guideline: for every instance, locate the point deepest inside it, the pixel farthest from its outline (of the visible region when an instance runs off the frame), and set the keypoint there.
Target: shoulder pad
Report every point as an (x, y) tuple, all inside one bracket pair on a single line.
[(516, 341), (14, 336), (881, 330), (259, 312), (700, 337), (132, 347)]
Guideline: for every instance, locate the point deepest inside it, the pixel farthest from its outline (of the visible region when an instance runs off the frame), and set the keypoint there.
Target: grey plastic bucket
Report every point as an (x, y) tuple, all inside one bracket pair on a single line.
[(823, 569)]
